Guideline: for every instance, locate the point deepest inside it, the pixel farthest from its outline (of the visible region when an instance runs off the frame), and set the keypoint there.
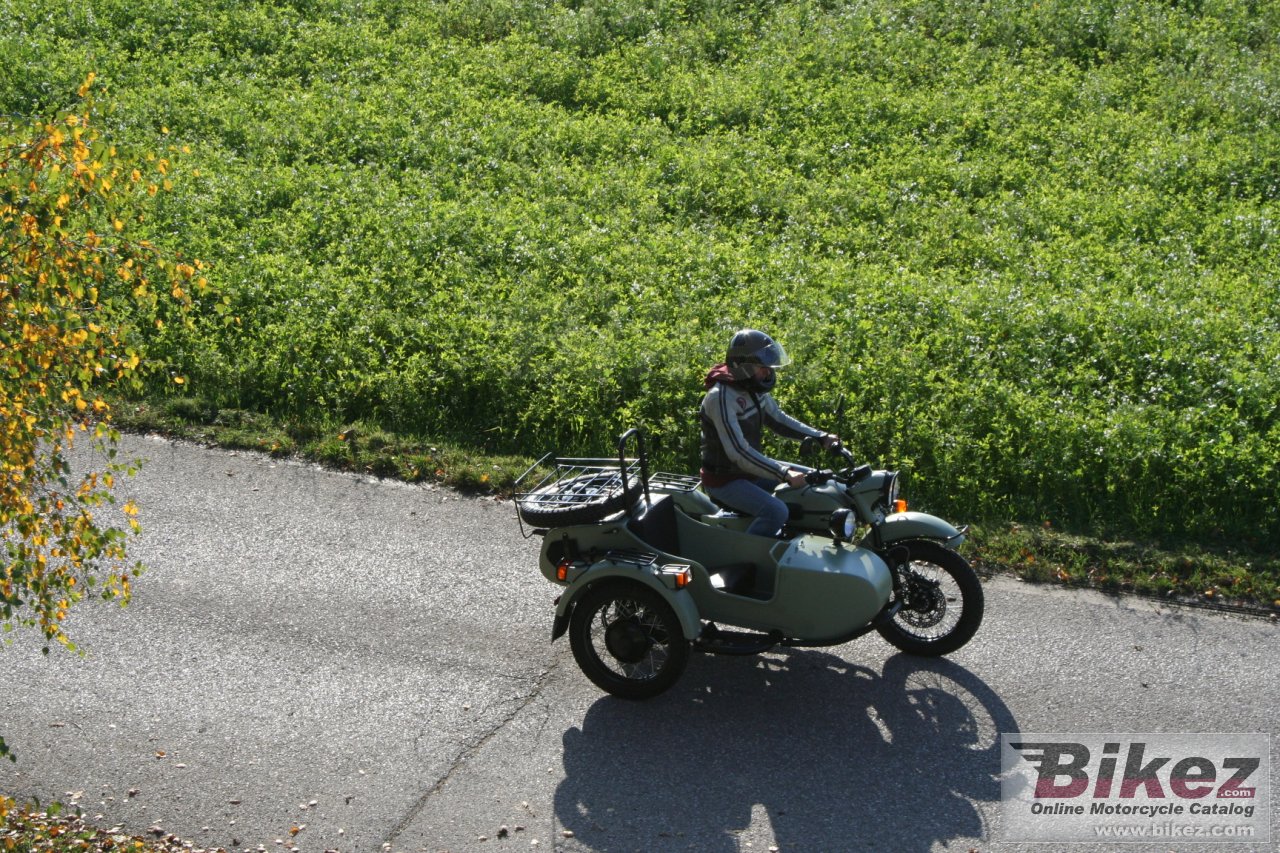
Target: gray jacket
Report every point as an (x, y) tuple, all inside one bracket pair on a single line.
[(733, 419)]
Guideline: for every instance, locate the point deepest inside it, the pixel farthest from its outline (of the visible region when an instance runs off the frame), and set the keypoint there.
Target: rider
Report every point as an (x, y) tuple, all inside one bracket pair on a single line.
[(737, 405)]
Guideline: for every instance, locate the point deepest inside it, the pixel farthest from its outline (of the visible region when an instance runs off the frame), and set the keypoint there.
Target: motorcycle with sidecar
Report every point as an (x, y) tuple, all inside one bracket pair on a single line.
[(653, 569)]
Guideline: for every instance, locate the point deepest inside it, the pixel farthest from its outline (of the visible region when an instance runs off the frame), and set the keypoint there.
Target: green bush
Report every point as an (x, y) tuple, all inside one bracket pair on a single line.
[(1034, 245)]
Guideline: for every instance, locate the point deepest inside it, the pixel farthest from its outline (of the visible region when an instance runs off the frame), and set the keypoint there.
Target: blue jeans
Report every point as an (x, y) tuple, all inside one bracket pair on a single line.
[(754, 498)]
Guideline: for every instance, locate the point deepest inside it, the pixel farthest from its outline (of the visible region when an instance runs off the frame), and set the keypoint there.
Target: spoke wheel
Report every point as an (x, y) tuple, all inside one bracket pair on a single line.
[(941, 600), (627, 640)]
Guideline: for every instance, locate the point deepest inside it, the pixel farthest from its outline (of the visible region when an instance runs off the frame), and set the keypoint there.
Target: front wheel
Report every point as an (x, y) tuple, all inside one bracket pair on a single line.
[(627, 640), (941, 601)]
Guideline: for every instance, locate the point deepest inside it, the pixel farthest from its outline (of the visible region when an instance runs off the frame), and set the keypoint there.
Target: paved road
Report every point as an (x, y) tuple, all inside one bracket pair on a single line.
[(368, 663)]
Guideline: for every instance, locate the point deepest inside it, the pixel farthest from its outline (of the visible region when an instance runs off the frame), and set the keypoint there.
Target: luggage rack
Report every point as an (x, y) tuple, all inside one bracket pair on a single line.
[(674, 482), (560, 484), (639, 559)]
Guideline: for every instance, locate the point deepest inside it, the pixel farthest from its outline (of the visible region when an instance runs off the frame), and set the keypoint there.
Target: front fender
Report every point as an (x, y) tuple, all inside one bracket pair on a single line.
[(918, 525), (606, 572)]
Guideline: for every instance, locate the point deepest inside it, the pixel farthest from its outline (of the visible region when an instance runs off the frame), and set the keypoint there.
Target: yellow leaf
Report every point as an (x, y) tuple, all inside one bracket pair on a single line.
[(178, 380)]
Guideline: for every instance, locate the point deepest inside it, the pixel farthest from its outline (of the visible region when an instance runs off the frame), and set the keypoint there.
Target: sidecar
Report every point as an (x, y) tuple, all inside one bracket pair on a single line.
[(652, 568)]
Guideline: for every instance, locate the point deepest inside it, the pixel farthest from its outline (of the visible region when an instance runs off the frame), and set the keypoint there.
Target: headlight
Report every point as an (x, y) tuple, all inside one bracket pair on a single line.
[(843, 524), (890, 488)]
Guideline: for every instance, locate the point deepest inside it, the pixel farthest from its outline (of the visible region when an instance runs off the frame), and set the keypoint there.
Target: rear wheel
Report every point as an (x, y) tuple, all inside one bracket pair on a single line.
[(941, 601), (627, 640)]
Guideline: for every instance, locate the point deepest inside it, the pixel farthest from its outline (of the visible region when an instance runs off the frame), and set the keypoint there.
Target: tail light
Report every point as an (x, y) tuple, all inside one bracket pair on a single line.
[(677, 576)]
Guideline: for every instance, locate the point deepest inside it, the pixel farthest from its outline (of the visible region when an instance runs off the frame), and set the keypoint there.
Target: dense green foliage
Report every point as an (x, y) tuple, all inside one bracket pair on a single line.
[(1037, 245)]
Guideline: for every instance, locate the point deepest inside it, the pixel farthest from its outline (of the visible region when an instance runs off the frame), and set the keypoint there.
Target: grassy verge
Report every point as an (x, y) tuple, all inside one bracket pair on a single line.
[(1216, 575), (346, 446), (1238, 576)]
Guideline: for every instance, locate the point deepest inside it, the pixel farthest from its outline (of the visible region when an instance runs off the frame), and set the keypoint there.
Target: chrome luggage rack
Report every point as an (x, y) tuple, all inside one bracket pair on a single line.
[(561, 482), (666, 482)]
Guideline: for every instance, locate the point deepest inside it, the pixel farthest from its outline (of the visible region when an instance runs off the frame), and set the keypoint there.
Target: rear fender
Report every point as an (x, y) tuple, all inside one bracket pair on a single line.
[(918, 525), (608, 571)]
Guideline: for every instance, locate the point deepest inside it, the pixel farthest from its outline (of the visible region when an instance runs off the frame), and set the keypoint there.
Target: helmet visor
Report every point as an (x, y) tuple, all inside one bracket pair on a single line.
[(773, 356)]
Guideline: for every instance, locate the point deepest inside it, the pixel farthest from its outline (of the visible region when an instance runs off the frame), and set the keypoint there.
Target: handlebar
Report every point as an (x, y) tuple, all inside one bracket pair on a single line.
[(852, 474)]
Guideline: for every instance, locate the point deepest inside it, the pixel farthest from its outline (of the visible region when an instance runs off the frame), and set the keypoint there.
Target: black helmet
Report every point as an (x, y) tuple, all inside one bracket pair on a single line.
[(750, 348)]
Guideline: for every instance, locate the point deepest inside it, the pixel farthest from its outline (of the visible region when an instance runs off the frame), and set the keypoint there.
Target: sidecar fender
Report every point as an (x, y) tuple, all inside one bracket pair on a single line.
[(607, 571), (919, 525)]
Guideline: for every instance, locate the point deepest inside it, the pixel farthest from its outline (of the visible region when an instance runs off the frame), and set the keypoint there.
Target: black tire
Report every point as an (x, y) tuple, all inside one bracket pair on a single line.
[(579, 500), (942, 606), (627, 640)]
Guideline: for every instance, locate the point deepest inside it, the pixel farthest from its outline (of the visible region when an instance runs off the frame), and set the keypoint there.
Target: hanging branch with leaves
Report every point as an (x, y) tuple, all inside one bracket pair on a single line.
[(75, 286)]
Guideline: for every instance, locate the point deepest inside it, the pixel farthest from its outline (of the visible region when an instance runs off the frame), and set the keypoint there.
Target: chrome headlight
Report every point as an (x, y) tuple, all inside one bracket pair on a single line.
[(890, 488)]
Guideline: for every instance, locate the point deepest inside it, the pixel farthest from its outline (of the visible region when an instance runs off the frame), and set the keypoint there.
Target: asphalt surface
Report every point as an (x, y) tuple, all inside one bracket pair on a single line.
[(320, 661)]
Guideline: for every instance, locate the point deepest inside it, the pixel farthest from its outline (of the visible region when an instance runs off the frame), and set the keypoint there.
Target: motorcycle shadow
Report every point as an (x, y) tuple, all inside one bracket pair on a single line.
[(833, 755)]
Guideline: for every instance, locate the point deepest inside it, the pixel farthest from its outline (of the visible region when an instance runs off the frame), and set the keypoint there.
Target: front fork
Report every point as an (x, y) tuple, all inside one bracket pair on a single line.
[(897, 556), (898, 559)]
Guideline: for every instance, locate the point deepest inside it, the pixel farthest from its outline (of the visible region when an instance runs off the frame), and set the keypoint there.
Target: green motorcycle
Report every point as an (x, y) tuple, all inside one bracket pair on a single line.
[(653, 569)]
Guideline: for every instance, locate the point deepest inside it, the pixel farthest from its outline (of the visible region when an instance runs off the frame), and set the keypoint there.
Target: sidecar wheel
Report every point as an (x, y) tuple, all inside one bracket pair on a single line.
[(942, 607), (627, 640), (579, 500)]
